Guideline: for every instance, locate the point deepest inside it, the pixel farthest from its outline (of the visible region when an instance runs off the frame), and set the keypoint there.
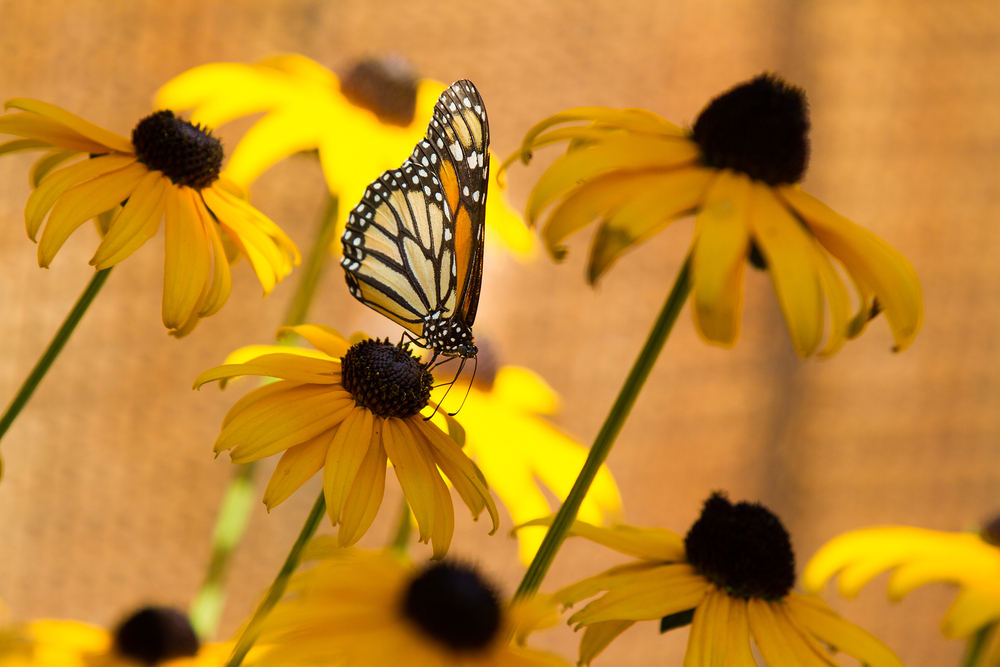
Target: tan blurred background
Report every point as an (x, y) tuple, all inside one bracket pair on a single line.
[(111, 490)]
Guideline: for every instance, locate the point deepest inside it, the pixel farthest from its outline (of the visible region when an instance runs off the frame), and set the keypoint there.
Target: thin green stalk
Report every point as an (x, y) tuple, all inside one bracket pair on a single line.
[(234, 513), (609, 432), (975, 645), (52, 351), (280, 583), (403, 528)]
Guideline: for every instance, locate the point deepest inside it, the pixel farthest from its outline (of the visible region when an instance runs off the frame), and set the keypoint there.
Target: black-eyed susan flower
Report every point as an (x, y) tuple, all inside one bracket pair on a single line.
[(370, 609), (169, 171), (737, 171), (361, 125), (518, 450), (151, 637), (731, 578), (916, 557), (346, 409)]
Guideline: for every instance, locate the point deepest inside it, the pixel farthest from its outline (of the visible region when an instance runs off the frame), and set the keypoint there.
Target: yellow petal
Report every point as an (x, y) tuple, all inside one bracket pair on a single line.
[(505, 225), (617, 152), (323, 338), (836, 298), (34, 126), (789, 252), (657, 544), (57, 183), (666, 590), (598, 637), (279, 134), (20, 145), (188, 262), (45, 164), (365, 496), (719, 259), (295, 467), (137, 222), (778, 641), (646, 215), (621, 575), (72, 122), (870, 260), (830, 628), (522, 388), (971, 610), (222, 279), (83, 202), (343, 460)]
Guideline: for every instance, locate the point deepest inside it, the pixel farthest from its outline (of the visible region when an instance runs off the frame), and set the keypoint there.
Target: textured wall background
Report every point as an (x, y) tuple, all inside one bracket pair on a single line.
[(111, 489)]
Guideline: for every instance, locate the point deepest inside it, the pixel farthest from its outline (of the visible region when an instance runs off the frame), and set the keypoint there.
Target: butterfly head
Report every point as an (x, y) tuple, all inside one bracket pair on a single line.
[(449, 337)]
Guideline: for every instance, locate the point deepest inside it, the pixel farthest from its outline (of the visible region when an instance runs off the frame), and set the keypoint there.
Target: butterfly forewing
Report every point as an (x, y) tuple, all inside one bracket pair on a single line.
[(413, 246)]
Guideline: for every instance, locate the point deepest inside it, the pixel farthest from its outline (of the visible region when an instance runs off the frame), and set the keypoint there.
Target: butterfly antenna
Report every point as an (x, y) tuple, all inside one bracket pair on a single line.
[(468, 389)]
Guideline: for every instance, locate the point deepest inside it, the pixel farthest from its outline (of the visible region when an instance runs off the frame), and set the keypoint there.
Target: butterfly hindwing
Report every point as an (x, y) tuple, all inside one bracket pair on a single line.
[(413, 246)]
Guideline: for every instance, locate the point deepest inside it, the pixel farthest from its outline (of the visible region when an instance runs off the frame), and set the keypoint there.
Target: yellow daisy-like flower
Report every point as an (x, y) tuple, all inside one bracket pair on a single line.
[(152, 636), (737, 172), (361, 126), (169, 171), (358, 609), (916, 556), (516, 449), (731, 578), (346, 409)]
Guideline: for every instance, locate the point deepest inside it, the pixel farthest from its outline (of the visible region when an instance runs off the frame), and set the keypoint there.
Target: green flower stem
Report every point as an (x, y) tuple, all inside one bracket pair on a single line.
[(280, 583), (606, 437), (237, 503), (403, 528), (52, 351)]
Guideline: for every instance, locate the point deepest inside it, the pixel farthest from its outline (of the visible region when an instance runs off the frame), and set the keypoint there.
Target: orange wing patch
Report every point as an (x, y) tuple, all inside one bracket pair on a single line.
[(449, 180)]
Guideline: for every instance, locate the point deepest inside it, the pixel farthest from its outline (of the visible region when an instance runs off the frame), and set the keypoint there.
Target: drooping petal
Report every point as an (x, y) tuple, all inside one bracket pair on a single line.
[(57, 183), (73, 123), (870, 260), (621, 575), (780, 643), (222, 279), (972, 609), (719, 259), (45, 164), (323, 338), (188, 262), (343, 460), (660, 592), (137, 222), (830, 628), (657, 544), (34, 126), (789, 251), (83, 202), (20, 145), (643, 216), (366, 494), (295, 467), (631, 152), (598, 637)]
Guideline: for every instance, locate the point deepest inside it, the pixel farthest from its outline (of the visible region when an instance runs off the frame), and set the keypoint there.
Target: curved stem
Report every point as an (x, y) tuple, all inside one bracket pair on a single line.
[(52, 351), (280, 583), (609, 432), (237, 503)]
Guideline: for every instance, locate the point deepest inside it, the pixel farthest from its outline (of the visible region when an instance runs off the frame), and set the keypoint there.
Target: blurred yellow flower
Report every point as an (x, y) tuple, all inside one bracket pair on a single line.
[(362, 609), (169, 171), (737, 172), (515, 448), (730, 578), (916, 556), (308, 108), (346, 408)]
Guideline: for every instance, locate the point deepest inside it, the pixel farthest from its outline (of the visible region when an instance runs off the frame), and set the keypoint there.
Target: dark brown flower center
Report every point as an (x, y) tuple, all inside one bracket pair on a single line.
[(155, 634), (742, 548), (385, 86), (760, 127), (385, 378), (452, 604), (186, 154)]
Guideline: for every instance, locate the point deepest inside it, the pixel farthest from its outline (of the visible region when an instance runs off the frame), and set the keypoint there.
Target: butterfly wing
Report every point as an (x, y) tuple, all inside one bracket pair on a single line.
[(413, 246)]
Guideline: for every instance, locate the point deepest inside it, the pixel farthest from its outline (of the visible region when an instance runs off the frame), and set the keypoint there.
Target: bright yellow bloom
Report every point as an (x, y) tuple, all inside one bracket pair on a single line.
[(306, 110), (360, 609), (347, 418), (916, 556), (169, 171), (730, 578), (515, 448), (737, 171)]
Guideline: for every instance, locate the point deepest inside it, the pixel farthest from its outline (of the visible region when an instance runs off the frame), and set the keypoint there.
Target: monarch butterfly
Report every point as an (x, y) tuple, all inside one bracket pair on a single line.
[(413, 247)]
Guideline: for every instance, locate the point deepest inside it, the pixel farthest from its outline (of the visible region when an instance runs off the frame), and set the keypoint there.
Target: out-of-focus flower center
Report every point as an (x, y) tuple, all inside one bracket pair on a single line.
[(760, 127), (742, 548), (154, 634), (452, 604), (186, 154), (386, 378), (385, 86)]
